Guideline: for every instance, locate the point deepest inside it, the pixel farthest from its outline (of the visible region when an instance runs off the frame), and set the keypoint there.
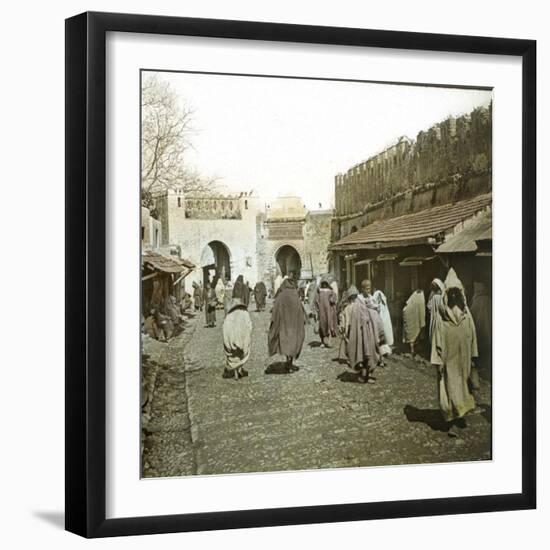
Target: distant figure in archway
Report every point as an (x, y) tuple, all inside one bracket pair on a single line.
[(260, 293), (287, 329), (210, 303), (288, 261), (220, 292), (198, 295), (241, 290)]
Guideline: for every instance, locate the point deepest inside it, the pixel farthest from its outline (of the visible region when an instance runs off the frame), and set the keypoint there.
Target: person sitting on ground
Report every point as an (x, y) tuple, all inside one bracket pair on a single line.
[(186, 302), (162, 326), (237, 330)]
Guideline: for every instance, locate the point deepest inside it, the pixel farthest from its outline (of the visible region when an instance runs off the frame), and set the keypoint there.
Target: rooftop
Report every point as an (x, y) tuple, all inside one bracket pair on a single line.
[(167, 264), (414, 228), (465, 240)]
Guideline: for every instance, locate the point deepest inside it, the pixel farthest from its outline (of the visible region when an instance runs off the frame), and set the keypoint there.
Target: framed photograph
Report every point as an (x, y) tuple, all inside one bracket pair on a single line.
[(290, 254)]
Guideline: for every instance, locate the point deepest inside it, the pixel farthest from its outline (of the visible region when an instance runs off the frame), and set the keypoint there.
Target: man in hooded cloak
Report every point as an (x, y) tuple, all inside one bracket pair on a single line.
[(287, 329), (362, 346), (454, 345), (260, 293), (324, 306), (241, 290)]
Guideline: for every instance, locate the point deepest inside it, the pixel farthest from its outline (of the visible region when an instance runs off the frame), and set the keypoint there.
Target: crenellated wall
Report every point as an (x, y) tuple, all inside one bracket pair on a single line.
[(449, 161), (251, 232)]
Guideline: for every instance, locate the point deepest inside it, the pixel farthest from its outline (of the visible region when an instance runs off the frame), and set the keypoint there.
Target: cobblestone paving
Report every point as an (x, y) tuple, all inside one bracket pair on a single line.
[(166, 430), (318, 417)]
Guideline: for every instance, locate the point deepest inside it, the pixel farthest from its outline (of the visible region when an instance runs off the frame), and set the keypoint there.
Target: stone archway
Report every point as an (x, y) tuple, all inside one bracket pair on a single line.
[(288, 260), (216, 262)]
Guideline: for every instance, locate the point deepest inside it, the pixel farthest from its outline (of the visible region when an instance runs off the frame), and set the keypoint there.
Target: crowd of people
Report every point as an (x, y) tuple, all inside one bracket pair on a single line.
[(360, 321), (166, 312), (357, 320)]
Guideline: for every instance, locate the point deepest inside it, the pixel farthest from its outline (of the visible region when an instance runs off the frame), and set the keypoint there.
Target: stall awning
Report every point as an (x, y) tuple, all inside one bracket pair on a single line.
[(166, 264), (418, 228), (386, 257), (363, 262), (415, 260), (465, 241)]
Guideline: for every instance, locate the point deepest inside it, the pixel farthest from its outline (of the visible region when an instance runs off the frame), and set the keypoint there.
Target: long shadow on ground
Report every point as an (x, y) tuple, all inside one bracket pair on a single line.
[(430, 417), (277, 368)]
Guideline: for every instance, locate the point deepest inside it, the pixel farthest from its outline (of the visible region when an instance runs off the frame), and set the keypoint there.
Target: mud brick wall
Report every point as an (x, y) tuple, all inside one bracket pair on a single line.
[(317, 239), (448, 162)]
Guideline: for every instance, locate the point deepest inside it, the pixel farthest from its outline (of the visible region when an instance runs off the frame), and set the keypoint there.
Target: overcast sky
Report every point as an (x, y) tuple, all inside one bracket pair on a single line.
[(290, 136)]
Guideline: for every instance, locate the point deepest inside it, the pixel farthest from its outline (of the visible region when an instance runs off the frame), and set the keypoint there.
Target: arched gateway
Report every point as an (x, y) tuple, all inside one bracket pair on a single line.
[(288, 260), (216, 262)]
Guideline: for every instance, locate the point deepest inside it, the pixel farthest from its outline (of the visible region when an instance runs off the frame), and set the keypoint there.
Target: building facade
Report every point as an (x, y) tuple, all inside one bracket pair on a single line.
[(394, 210), (239, 234)]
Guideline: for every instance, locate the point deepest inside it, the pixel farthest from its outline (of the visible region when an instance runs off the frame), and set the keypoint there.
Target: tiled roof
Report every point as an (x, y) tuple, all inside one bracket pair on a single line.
[(465, 240), (168, 264), (414, 228)]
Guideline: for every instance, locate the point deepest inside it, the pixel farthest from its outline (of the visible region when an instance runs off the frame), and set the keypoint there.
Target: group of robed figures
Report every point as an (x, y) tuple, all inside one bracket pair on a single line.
[(362, 320)]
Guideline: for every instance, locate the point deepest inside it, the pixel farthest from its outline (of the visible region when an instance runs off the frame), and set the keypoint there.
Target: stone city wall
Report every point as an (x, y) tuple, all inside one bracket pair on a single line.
[(450, 161), (317, 239)]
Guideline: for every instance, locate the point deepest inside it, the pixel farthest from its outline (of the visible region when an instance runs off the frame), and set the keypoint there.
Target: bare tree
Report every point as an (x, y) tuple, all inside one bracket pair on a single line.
[(165, 136)]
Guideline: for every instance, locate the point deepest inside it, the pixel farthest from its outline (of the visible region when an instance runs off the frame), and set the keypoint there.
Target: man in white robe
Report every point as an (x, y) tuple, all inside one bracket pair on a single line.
[(380, 299), (414, 318), (454, 345), (237, 332)]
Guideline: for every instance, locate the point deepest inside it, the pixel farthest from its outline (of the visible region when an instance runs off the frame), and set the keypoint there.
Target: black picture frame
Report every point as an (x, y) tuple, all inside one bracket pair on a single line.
[(86, 276)]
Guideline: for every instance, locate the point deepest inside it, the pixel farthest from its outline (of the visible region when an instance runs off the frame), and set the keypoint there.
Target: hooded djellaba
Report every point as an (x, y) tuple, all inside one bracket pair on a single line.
[(381, 301), (434, 304), (241, 291), (362, 346), (287, 329), (260, 293), (414, 318), (237, 330), (324, 306), (348, 298), (454, 345)]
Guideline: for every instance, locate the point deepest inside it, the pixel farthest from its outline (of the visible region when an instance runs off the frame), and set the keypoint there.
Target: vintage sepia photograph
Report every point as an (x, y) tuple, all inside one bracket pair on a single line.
[(316, 273)]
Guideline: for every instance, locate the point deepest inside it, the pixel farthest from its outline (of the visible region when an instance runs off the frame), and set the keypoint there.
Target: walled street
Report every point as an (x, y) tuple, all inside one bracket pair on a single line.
[(196, 422)]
